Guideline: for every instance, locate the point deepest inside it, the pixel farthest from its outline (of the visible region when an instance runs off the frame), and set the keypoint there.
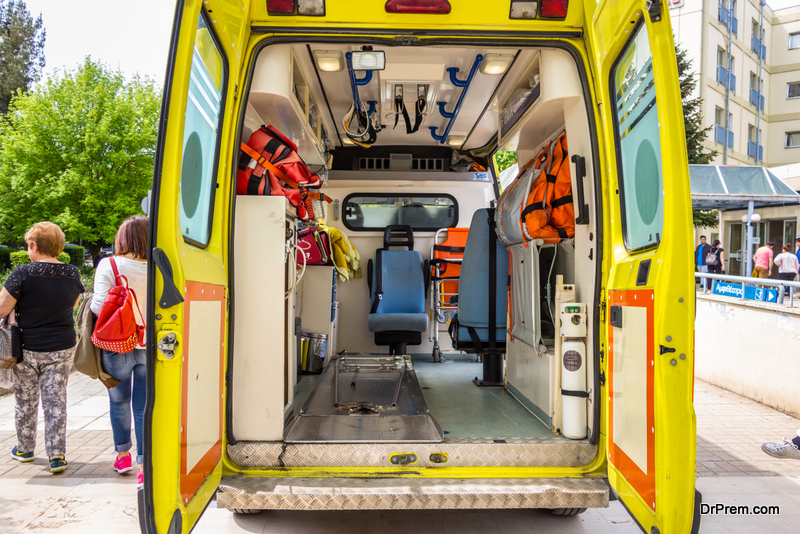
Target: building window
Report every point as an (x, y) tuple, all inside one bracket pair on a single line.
[(792, 139), (793, 90), (794, 40)]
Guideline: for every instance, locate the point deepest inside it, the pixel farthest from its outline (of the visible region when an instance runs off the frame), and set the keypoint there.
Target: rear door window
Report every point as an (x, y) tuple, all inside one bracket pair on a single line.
[(367, 211)]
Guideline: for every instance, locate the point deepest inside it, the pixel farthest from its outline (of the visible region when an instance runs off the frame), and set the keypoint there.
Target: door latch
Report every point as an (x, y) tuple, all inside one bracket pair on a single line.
[(167, 345), (665, 350)]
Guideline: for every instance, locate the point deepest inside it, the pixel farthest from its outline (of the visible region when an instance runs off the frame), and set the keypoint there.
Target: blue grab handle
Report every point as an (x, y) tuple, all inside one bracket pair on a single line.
[(458, 83), (371, 109), (444, 113)]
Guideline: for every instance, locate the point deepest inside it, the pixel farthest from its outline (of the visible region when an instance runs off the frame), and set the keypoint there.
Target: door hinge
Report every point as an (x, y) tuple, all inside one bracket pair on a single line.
[(653, 9), (602, 379), (603, 309)]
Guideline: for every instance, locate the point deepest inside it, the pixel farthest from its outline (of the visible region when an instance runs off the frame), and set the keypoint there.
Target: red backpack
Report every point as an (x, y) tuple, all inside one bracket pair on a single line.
[(269, 165), (117, 329)]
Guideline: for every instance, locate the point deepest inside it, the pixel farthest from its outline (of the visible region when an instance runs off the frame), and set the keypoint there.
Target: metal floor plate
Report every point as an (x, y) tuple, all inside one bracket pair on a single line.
[(463, 452), (365, 398), (409, 493)]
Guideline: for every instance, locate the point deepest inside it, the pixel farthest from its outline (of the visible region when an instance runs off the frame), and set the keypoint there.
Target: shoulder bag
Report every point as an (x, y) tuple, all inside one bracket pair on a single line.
[(10, 342)]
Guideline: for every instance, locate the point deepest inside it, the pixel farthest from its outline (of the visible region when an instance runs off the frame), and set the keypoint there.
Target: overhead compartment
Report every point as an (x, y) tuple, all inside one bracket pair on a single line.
[(281, 96)]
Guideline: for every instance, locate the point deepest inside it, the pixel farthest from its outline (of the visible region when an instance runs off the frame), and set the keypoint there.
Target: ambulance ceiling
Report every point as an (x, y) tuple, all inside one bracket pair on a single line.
[(420, 70)]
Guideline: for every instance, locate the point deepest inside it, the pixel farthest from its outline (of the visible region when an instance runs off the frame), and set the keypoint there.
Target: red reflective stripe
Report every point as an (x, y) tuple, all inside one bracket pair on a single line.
[(432, 7)]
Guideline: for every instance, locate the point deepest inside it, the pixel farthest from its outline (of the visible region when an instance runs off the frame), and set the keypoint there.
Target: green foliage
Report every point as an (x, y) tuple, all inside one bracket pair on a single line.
[(695, 133), (21, 50), (22, 258), (78, 151), (76, 254), (5, 257), (706, 219), (505, 160), (692, 112)]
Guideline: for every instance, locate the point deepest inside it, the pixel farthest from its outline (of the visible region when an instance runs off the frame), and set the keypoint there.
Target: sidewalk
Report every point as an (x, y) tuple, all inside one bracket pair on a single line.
[(91, 498)]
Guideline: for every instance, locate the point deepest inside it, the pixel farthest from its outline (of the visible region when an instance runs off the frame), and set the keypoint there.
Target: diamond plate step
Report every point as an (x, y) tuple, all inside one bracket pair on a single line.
[(409, 493), (463, 452)]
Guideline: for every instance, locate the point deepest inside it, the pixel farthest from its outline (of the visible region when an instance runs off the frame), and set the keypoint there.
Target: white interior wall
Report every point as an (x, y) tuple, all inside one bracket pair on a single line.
[(353, 296)]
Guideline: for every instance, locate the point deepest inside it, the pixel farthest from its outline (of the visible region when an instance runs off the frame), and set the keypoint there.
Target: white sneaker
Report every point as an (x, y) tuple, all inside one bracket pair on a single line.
[(782, 449)]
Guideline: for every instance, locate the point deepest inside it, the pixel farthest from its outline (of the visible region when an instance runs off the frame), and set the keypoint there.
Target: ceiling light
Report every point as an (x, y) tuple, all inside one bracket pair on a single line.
[(368, 60), (329, 60), (456, 140), (496, 63)]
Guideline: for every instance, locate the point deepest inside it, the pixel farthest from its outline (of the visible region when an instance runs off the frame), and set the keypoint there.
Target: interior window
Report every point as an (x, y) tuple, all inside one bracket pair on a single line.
[(639, 160), (201, 137), (365, 211)]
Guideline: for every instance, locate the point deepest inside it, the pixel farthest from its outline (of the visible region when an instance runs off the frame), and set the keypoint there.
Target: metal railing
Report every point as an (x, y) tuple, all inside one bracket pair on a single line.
[(747, 281)]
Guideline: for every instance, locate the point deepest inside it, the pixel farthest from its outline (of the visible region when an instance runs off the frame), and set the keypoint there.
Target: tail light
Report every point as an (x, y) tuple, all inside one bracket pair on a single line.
[(523, 10), (433, 7), (554, 9), (303, 7), (280, 7)]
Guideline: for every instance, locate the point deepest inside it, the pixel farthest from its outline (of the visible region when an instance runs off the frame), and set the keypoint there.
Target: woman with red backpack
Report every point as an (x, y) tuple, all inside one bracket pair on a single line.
[(127, 268)]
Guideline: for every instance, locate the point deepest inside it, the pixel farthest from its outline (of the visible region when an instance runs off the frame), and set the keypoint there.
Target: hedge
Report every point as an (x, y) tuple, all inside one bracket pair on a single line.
[(5, 257), (76, 253), (21, 258)]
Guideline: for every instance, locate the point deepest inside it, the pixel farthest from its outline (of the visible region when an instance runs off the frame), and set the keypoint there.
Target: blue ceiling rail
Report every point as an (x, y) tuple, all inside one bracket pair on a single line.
[(355, 82), (454, 114)]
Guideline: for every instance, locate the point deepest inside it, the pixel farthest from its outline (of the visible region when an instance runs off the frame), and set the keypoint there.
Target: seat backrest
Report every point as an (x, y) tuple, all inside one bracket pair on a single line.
[(402, 281), (473, 284), (398, 274)]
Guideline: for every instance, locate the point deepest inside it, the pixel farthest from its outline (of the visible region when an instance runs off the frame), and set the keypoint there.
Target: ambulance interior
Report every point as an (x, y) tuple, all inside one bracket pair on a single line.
[(389, 375)]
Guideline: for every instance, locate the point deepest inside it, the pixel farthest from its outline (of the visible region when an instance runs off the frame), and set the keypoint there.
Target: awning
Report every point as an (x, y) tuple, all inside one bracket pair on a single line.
[(729, 187)]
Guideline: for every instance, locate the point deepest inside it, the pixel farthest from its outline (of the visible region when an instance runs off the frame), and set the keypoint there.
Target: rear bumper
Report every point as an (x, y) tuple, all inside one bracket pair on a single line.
[(409, 494)]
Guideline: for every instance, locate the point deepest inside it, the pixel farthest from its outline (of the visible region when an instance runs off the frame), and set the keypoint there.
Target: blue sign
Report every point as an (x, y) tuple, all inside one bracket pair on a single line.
[(763, 294)]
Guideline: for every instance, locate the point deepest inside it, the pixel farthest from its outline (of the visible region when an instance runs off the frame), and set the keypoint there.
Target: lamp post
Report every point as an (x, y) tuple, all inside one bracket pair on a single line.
[(750, 219)]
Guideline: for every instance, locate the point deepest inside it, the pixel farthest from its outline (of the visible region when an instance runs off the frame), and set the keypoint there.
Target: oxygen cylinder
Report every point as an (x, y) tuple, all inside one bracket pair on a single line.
[(573, 388)]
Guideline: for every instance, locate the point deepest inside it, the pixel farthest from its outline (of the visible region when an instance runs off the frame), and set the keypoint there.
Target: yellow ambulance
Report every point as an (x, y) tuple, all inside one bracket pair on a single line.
[(434, 350)]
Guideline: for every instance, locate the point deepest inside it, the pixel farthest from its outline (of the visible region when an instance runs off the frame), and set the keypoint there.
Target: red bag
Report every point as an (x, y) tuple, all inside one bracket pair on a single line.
[(310, 243), (117, 329), (269, 165)]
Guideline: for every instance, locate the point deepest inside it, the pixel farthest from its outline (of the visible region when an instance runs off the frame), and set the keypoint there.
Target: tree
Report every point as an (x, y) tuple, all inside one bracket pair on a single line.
[(695, 133), (21, 50), (78, 151)]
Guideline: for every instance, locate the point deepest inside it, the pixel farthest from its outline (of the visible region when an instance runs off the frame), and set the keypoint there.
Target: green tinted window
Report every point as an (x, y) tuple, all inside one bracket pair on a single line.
[(201, 137), (639, 161)]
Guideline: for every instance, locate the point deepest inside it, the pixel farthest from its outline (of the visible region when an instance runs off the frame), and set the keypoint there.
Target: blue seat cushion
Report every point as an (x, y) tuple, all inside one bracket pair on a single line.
[(397, 322), (483, 335), (473, 286)]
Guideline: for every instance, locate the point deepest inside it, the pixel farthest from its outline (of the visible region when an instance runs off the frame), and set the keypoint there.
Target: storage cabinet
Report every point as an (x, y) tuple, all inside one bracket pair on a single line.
[(264, 368), (318, 307)]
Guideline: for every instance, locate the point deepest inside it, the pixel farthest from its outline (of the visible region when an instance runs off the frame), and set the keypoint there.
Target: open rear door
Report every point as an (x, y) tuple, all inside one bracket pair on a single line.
[(649, 293), (188, 284)]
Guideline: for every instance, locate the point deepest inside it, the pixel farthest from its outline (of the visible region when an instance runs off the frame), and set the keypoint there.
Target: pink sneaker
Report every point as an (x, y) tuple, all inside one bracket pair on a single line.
[(140, 479), (123, 464)]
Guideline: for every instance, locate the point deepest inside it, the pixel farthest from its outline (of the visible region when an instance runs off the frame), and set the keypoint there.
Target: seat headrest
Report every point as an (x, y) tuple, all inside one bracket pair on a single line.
[(398, 235)]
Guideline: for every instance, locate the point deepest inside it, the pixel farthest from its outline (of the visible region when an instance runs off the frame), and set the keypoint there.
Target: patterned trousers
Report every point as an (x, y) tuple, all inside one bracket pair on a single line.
[(48, 372)]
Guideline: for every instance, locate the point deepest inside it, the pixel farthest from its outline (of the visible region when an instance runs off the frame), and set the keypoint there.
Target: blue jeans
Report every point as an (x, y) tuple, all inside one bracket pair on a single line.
[(130, 370)]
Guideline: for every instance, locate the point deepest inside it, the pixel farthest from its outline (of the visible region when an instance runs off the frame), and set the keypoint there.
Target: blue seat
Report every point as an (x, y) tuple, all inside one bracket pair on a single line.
[(470, 327), (397, 281)]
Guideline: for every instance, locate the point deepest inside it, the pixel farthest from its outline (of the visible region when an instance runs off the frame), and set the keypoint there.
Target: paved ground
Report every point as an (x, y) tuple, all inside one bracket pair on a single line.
[(91, 498)]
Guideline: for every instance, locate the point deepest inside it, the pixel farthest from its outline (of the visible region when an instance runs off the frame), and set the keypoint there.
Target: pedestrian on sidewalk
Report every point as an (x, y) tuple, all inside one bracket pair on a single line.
[(716, 259), (787, 448), (129, 368), (700, 253), (44, 293), (788, 265), (762, 261)]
